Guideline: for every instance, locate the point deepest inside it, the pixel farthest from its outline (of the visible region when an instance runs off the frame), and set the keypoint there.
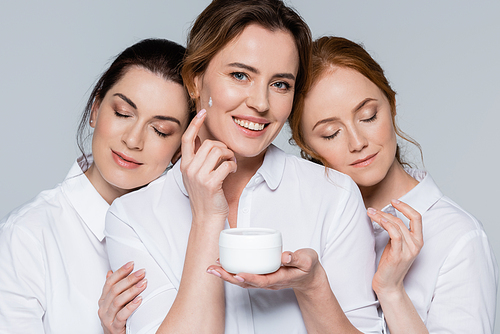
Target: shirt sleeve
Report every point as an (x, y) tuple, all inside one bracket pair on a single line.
[(124, 244), (465, 295), (349, 260), (22, 281)]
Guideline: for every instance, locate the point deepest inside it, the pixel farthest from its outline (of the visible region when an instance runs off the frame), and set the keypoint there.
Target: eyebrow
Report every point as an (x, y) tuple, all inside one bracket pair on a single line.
[(256, 71), (126, 99), (333, 119), (159, 117)]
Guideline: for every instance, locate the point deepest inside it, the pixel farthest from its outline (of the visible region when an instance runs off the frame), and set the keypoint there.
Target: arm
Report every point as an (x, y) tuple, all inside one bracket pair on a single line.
[(22, 281), (199, 306), (401, 250), (465, 294)]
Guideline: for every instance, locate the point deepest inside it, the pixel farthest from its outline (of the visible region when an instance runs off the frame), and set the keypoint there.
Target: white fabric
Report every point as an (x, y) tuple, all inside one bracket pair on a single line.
[(53, 260), (309, 207), (453, 281)]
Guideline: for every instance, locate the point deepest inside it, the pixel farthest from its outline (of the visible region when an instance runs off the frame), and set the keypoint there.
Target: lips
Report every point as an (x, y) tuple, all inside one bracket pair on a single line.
[(250, 125), (365, 161), (125, 161)]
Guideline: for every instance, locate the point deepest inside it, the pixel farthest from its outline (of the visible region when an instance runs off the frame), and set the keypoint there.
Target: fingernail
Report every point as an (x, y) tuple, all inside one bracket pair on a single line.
[(395, 201), (371, 211), (139, 273), (141, 283), (214, 272), (201, 113), (239, 278), (137, 300), (289, 259), (128, 265), (217, 261)]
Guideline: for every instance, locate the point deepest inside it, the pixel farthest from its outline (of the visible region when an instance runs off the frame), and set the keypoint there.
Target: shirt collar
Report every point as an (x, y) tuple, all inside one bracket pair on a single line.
[(85, 199), (421, 198), (271, 171)]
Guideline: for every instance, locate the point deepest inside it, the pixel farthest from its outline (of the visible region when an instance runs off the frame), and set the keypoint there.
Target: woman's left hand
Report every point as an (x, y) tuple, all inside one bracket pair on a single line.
[(300, 270), (403, 247)]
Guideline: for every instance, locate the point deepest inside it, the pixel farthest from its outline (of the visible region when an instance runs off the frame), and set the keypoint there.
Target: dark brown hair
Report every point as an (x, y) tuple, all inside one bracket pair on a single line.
[(160, 56), (328, 53), (224, 20)]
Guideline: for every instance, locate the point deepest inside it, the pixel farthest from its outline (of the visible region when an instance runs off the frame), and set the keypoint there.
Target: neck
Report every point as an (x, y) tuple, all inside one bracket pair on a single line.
[(105, 189), (395, 184)]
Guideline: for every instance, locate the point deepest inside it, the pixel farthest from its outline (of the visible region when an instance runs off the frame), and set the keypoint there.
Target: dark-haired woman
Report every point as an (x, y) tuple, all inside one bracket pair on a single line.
[(436, 271), (52, 249)]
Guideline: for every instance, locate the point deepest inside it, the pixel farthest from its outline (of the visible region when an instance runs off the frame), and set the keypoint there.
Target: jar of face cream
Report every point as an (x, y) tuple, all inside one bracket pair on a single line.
[(250, 250)]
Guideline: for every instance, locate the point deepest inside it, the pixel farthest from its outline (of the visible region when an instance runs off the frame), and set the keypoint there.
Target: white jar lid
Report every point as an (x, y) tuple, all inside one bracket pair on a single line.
[(250, 238)]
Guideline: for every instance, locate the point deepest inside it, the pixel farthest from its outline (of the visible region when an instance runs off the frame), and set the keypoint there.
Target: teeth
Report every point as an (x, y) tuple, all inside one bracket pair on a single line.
[(249, 125)]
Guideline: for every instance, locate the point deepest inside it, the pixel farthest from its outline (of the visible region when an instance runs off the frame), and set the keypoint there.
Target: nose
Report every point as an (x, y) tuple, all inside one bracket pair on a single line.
[(133, 137), (258, 98), (357, 140)]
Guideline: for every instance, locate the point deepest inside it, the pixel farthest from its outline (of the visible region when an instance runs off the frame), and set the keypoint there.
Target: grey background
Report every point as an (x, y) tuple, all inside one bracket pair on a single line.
[(442, 57)]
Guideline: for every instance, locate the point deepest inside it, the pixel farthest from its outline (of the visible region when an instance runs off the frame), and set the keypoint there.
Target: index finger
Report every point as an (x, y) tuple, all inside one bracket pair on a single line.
[(188, 147), (410, 213)]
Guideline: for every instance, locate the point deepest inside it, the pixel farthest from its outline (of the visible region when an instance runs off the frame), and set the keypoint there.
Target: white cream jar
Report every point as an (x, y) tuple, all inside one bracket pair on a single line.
[(250, 250)]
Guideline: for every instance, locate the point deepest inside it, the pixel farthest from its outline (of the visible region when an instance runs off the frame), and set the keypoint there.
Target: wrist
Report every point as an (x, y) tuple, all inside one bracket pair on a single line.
[(316, 283)]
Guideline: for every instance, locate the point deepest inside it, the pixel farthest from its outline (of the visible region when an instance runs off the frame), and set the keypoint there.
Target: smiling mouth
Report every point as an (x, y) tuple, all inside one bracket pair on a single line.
[(127, 160), (364, 162), (249, 125)]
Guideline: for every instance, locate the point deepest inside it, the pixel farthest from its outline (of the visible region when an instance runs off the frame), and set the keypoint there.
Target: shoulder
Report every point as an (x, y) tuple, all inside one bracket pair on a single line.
[(37, 212), (317, 175)]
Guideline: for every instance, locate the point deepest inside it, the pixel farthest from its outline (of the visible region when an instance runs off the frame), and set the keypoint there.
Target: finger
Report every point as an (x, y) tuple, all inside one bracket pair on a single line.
[(188, 146), (127, 296), (109, 303), (303, 259), (395, 229), (391, 219), (113, 278), (122, 316), (413, 215), (198, 160)]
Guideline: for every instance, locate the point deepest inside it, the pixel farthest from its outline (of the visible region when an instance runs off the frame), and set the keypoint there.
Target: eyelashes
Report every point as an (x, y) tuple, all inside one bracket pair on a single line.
[(371, 119), (158, 132), (280, 85)]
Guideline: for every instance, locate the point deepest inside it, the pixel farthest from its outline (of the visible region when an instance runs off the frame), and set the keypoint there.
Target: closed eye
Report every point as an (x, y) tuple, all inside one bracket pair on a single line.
[(121, 115), (159, 133), (330, 137), (371, 119)]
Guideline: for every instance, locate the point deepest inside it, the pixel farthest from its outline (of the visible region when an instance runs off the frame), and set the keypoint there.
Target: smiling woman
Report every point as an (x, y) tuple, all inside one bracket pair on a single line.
[(246, 63), (52, 249)]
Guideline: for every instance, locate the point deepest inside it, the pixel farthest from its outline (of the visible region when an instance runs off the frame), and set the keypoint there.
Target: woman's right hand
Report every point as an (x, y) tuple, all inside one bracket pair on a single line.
[(120, 297), (204, 168), (401, 250)]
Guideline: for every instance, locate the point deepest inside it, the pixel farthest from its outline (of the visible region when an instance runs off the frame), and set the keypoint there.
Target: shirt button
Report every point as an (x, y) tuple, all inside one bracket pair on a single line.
[(245, 210), (258, 180)]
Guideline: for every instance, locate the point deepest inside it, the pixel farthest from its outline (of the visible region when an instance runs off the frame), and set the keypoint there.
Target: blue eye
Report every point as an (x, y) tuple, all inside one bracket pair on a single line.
[(282, 85), (239, 76)]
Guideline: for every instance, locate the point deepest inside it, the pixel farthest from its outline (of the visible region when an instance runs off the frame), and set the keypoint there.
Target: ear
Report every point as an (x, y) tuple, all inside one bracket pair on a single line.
[(197, 80), (93, 113), (176, 156)]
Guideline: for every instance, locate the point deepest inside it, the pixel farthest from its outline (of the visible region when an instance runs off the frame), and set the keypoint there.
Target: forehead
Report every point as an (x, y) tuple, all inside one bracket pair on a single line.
[(342, 87), (261, 48)]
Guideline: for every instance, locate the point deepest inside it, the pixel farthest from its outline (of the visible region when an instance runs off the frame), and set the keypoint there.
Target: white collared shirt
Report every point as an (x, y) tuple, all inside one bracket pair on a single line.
[(453, 281), (53, 260), (309, 207)]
